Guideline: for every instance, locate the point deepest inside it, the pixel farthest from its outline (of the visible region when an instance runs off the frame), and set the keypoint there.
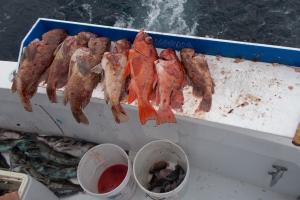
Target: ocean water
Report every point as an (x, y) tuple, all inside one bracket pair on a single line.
[(263, 21)]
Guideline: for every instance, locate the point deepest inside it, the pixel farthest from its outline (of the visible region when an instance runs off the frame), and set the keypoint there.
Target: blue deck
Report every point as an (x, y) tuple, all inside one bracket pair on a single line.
[(226, 48)]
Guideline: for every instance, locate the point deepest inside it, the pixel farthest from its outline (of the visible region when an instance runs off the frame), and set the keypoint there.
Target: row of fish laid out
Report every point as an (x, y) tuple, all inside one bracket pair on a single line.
[(52, 160), (134, 72)]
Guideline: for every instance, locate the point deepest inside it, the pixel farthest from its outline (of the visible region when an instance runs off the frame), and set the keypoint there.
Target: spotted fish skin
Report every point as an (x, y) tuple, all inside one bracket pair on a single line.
[(35, 149), (34, 65), (82, 81), (200, 78), (169, 87), (113, 64), (58, 70)]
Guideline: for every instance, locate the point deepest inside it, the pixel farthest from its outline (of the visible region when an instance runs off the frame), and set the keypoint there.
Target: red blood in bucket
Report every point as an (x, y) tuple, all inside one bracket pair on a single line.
[(112, 177)]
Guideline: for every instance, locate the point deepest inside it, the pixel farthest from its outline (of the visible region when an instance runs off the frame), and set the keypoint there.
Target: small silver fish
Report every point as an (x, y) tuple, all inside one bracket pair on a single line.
[(36, 149), (67, 145), (53, 171), (164, 177), (63, 189), (7, 145), (3, 162), (10, 135)]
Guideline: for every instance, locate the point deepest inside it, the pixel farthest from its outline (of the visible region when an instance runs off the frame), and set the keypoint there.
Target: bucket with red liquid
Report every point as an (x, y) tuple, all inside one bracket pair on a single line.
[(105, 171)]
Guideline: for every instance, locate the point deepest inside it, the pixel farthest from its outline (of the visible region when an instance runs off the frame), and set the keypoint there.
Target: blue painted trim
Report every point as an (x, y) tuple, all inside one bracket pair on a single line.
[(226, 48)]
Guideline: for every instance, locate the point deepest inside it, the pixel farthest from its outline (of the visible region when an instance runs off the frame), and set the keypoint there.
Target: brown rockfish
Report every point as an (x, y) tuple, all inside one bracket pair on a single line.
[(58, 71), (197, 70), (34, 65), (82, 81)]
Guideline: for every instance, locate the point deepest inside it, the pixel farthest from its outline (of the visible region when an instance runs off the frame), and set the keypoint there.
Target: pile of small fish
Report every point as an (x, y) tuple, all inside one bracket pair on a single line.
[(165, 177), (80, 62), (52, 160)]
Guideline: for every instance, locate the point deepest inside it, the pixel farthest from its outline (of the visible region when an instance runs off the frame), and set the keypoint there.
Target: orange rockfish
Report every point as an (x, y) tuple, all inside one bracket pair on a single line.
[(141, 68), (170, 75)]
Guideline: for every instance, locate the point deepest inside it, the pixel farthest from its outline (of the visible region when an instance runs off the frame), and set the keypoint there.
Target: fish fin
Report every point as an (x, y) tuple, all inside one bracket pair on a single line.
[(213, 87), (205, 104), (184, 82), (131, 94), (153, 97), (127, 69), (44, 78), (146, 111), (106, 97), (57, 49), (66, 99), (157, 96), (71, 65), (22, 56), (14, 85), (51, 92), (127, 83), (177, 99), (165, 115), (83, 66), (26, 102), (97, 69), (136, 65), (31, 50), (197, 91), (79, 115), (119, 113)]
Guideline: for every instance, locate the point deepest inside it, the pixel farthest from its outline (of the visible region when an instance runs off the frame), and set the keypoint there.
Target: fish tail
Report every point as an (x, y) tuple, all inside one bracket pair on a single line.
[(66, 99), (26, 102), (177, 99), (213, 87), (127, 70), (79, 115), (197, 91), (51, 92), (131, 94), (165, 115), (119, 113), (14, 86), (146, 111), (206, 102)]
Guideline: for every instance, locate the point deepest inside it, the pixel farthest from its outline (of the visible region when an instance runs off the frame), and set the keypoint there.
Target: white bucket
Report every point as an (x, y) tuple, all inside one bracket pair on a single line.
[(154, 152), (93, 164)]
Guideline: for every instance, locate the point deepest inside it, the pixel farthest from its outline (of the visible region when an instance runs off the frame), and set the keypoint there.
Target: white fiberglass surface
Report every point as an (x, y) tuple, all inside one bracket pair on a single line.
[(207, 186)]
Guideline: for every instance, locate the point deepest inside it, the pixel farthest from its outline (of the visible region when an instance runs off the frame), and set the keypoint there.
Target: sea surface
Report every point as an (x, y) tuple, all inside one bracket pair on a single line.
[(263, 21)]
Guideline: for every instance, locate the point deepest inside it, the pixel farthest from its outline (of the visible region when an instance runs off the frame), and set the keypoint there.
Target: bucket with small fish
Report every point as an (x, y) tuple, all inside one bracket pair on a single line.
[(105, 171), (161, 169)]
